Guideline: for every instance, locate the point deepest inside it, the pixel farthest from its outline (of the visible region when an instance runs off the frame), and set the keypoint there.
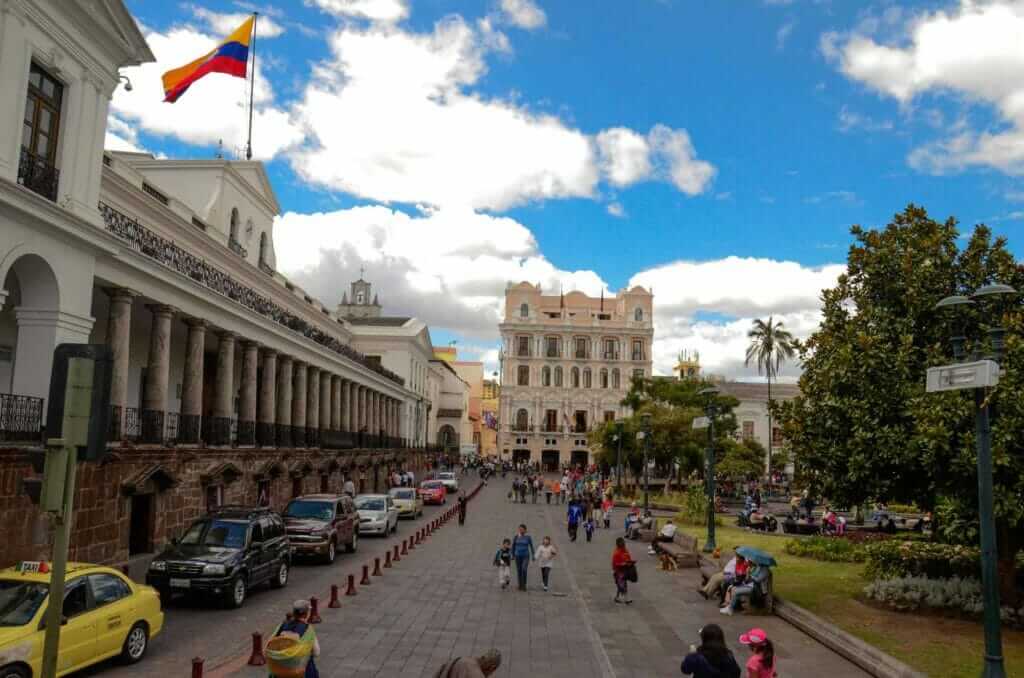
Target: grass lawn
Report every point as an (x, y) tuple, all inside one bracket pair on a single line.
[(942, 648)]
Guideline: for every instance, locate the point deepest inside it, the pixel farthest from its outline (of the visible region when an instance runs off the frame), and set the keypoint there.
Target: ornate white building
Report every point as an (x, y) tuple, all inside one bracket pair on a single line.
[(567, 365)]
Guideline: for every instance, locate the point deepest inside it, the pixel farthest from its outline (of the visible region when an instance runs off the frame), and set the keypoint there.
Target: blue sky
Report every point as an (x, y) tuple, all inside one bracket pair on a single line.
[(718, 151)]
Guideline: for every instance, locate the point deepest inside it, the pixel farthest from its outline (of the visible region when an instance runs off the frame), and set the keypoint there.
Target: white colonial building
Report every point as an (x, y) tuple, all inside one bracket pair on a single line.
[(567, 365)]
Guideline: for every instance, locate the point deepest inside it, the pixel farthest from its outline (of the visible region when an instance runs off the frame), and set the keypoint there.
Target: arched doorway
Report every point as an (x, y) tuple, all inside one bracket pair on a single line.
[(446, 437), (580, 458), (520, 457)]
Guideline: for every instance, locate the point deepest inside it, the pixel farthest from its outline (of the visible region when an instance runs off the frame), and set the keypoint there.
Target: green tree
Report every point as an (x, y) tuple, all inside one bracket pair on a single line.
[(863, 427), (771, 344), (742, 460)]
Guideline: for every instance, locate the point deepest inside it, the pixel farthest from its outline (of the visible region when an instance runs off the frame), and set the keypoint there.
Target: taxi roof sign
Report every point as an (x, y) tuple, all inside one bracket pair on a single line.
[(26, 566)]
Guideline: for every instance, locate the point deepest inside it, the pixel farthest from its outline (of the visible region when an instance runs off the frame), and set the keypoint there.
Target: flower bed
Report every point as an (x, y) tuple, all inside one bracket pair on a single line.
[(956, 595)]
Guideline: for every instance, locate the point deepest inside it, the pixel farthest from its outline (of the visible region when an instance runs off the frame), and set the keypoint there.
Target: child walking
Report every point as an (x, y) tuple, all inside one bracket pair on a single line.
[(503, 561), (606, 509), (545, 557), (588, 527)]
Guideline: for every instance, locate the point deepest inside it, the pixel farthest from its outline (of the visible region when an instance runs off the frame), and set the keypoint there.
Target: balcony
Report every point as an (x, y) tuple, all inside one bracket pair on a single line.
[(37, 175), (581, 355), (612, 355), (21, 418), (637, 355)]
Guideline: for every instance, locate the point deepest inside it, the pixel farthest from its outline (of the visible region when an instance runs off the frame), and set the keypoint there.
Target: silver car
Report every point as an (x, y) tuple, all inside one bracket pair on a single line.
[(451, 483), (377, 514)]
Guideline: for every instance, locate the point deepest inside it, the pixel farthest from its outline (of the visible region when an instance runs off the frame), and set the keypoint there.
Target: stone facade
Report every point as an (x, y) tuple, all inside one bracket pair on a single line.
[(567, 362), (172, 487)]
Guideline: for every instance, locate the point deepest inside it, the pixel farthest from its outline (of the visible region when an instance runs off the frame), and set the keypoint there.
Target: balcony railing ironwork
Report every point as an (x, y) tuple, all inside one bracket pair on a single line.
[(166, 252), (37, 174), (21, 418)]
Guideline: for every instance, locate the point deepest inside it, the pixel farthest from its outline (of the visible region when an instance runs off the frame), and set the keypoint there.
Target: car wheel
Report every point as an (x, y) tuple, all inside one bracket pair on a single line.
[(14, 672), (235, 595), (332, 551), (135, 644), (353, 544), (280, 579)]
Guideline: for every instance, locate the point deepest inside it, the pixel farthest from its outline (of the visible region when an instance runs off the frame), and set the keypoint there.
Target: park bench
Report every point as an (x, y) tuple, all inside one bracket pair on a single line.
[(683, 549)]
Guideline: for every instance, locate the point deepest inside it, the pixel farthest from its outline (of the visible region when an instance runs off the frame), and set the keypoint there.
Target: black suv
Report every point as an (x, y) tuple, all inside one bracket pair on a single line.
[(225, 554)]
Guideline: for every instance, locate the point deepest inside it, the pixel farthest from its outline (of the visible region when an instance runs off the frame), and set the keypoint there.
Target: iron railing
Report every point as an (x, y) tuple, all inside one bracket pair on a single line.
[(37, 174), (21, 418), (166, 252)]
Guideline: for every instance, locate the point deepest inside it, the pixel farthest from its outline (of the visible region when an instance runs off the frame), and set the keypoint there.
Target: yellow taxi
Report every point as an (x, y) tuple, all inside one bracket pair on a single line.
[(105, 615)]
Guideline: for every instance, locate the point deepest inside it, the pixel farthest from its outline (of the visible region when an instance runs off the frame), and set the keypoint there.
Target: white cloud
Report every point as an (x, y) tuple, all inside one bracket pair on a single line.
[(616, 209), (975, 51), (385, 11), (214, 108), (676, 158), (523, 13), (735, 290), (851, 120), (625, 156), (224, 24), (843, 196), (121, 136), (782, 35)]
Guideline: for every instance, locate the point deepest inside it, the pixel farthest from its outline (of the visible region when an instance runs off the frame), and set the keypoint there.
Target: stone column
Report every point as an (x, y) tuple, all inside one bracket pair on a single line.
[(361, 413), (265, 421), (344, 404), (247, 397), (299, 405), (326, 406), (336, 405), (224, 391), (154, 398), (119, 326), (389, 405), (284, 402), (313, 407), (190, 421), (371, 416), (353, 409)]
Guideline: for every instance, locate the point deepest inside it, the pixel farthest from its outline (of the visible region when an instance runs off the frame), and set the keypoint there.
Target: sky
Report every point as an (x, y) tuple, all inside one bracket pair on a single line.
[(715, 152)]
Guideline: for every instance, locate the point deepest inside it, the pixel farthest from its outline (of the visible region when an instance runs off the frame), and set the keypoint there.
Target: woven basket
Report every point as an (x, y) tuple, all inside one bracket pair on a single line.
[(287, 657)]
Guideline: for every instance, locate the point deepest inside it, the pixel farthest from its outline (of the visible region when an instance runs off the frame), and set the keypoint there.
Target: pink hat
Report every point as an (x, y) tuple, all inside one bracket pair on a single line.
[(753, 637)]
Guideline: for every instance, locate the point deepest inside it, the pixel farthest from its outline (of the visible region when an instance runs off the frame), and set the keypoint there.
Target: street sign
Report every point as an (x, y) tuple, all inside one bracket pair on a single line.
[(90, 398), (978, 374), (701, 422)]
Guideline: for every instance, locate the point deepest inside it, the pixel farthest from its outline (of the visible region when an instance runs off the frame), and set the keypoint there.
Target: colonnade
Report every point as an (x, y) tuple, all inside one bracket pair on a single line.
[(281, 400)]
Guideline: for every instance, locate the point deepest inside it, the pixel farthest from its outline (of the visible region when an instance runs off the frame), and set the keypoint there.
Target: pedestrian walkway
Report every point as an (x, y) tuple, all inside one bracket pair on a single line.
[(443, 601)]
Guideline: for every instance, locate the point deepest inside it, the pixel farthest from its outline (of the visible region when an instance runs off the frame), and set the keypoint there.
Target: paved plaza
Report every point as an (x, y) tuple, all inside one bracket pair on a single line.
[(443, 601)]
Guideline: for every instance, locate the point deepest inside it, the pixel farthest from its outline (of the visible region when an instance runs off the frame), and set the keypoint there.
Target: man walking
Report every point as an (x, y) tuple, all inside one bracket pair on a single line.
[(522, 551), (575, 513)]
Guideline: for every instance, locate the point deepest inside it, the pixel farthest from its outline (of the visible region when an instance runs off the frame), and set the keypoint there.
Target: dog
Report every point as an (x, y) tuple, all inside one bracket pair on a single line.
[(667, 562)]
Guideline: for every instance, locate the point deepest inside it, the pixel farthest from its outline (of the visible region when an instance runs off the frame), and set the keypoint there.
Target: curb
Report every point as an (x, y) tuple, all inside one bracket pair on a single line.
[(866, 656)]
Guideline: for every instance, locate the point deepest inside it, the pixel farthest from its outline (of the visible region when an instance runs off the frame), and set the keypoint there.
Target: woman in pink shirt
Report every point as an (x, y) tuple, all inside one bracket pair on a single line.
[(762, 659)]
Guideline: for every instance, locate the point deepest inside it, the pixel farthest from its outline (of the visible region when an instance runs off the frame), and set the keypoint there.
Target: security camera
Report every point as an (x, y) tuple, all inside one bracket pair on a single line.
[(127, 83)]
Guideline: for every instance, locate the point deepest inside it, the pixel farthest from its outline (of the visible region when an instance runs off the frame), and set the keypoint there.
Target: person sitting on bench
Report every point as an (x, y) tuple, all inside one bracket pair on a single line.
[(665, 534)]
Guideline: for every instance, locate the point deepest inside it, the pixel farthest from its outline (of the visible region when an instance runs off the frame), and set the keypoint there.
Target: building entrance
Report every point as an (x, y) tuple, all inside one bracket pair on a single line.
[(549, 460), (520, 457), (140, 535), (580, 458)]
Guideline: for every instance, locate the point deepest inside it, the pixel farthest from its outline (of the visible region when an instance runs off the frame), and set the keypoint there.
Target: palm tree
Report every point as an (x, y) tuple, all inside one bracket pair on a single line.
[(770, 345)]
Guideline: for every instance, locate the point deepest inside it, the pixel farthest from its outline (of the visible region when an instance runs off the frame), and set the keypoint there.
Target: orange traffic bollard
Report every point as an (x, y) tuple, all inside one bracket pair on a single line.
[(257, 658), (387, 559), (376, 567), (405, 549), (351, 590), (314, 611), (365, 581), (334, 602), (197, 667), (395, 558)]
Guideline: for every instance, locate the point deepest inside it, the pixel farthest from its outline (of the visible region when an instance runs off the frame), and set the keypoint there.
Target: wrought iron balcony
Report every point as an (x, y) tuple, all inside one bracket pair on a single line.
[(37, 174), (166, 252), (21, 418)]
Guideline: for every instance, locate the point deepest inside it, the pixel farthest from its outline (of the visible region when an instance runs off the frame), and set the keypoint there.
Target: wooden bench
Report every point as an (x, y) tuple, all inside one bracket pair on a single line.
[(683, 549)]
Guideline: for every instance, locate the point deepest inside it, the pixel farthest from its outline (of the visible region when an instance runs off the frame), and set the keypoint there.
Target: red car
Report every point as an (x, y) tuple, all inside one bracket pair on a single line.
[(433, 492)]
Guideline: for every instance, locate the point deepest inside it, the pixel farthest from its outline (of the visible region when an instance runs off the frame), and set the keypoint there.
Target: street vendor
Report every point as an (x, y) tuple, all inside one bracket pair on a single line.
[(299, 628)]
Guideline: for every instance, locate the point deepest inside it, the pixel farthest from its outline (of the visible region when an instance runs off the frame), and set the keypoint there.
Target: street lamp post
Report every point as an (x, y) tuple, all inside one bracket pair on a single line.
[(979, 375), (618, 458), (710, 410), (645, 418)]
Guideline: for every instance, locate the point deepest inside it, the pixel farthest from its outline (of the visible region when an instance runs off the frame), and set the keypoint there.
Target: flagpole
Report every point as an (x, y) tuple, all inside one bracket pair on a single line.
[(252, 85)]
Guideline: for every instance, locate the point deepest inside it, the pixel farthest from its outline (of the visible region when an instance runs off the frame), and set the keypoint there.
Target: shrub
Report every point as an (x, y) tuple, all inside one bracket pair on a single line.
[(824, 548), (955, 593), (902, 508), (693, 507), (893, 559)]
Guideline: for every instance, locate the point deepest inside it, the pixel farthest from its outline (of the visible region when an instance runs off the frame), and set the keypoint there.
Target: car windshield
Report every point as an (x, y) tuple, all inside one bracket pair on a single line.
[(317, 510), (433, 485), (228, 534), (370, 503), (403, 494), (19, 601), (446, 476)]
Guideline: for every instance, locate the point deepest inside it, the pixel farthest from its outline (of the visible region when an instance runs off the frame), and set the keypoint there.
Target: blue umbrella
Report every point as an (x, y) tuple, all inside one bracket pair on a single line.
[(757, 556)]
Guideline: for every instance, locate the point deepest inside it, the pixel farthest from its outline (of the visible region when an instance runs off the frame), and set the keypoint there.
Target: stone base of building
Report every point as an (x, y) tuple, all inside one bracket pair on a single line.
[(552, 452), (130, 505)]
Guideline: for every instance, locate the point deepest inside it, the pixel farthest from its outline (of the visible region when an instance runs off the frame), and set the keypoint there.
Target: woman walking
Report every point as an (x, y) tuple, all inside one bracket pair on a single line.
[(462, 509), (712, 659), (299, 628), (523, 552), (623, 566), (545, 558)]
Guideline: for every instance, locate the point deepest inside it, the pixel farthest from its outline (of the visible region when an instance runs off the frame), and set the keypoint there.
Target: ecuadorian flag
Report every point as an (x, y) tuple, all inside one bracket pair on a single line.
[(230, 56)]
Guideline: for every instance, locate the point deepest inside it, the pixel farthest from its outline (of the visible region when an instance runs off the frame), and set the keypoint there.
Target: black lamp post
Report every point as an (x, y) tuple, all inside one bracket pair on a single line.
[(973, 378), (710, 410), (645, 435), (618, 460)]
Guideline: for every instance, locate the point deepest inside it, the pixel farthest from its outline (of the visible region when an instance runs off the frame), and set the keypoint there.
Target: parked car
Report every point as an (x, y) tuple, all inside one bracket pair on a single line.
[(225, 554), (377, 514), (433, 492), (105, 615), (318, 524), (407, 501), (451, 483)]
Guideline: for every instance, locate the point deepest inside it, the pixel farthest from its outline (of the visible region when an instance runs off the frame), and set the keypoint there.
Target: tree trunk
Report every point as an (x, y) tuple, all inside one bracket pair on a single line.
[(768, 464)]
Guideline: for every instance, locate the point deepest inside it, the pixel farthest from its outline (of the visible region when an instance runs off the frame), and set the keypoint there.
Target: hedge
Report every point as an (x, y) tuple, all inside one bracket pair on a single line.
[(894, 559), (829, 549)]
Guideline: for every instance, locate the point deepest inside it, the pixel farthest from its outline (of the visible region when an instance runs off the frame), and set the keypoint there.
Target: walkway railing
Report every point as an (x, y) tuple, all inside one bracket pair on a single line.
[(21, 418)]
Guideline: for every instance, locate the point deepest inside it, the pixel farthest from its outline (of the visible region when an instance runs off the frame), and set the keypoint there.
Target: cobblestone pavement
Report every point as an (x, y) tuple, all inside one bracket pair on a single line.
[(443, 601)]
